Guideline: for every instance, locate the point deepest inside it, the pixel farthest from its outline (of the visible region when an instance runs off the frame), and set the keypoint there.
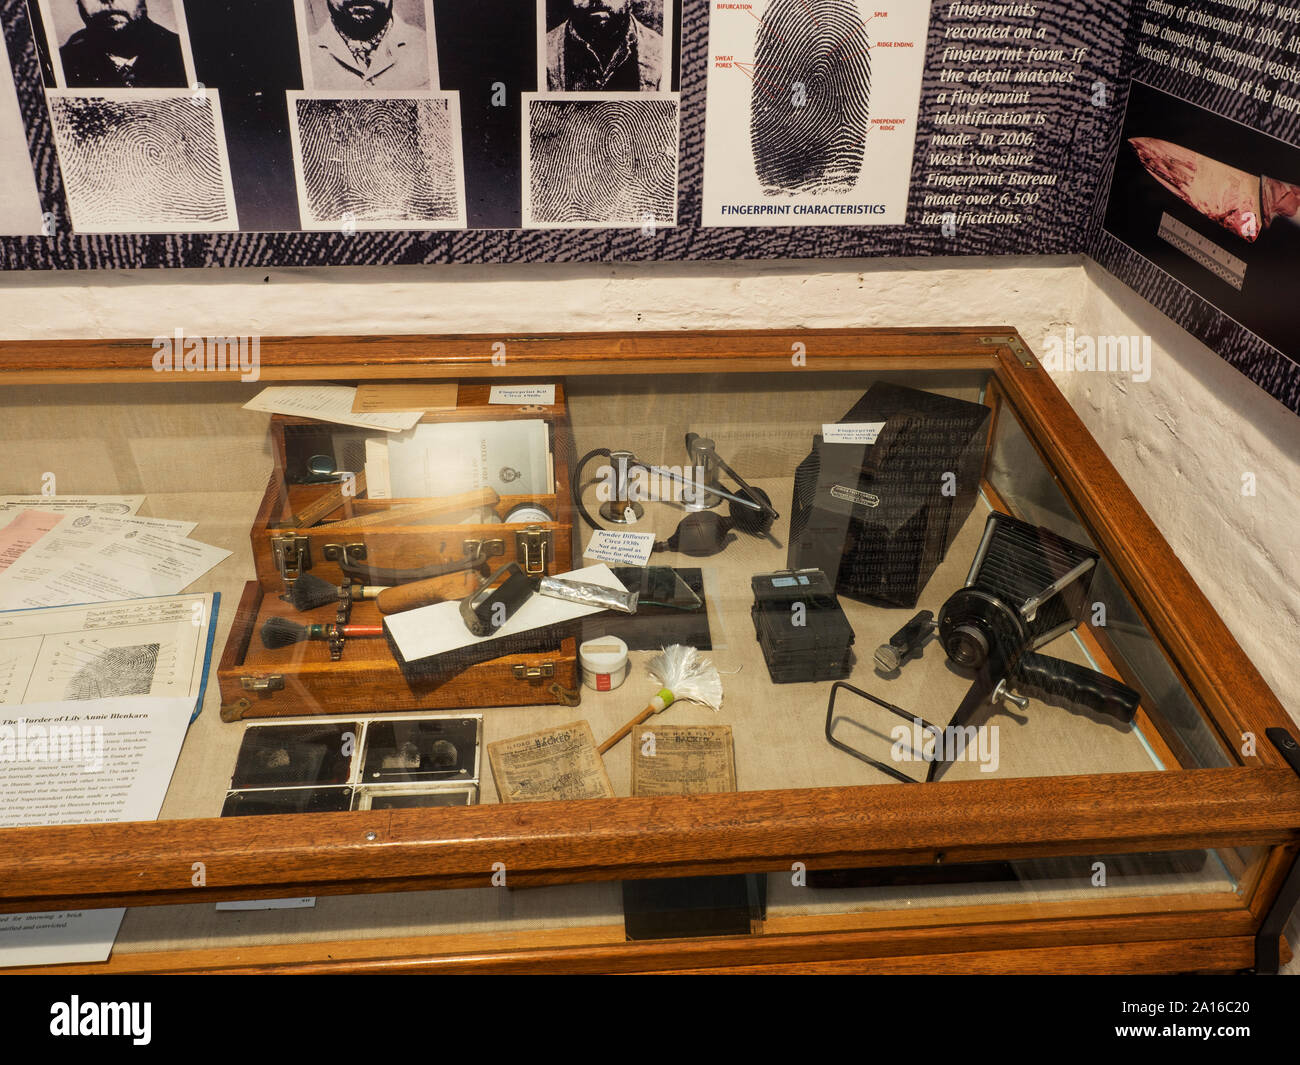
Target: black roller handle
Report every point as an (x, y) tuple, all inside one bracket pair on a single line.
[(1066, 684)]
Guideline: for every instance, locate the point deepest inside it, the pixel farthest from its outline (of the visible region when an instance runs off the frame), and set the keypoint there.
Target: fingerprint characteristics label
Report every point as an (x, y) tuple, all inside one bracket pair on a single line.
[(811, 111)]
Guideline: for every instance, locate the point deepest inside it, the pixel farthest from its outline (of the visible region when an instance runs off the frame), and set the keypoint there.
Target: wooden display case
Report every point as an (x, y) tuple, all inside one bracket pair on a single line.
[(1204, 772)]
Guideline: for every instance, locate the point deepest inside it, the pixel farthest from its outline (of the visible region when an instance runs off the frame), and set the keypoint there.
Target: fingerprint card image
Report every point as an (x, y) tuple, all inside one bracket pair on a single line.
[(118, 44), (143, 161), (605, 45), (599, 160), (378, 162), (811, 111), (381, 46)]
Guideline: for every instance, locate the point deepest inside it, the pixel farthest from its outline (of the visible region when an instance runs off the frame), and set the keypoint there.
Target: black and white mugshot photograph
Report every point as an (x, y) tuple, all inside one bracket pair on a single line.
[(598, 160), (118, 44), (604, 45), (143, 161), (384, 45), (372, 162)]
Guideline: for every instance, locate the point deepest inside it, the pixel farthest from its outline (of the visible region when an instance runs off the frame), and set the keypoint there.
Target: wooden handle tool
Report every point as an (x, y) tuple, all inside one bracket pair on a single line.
[(422, 593), (655, 706)]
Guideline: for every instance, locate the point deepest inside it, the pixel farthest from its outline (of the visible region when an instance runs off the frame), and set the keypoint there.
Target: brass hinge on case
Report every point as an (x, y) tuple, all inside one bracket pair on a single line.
[(532, 548), (292, 556), (274, 682), (564, 696), (546, 669), (480, 549), (344, 554), (1017, 349)]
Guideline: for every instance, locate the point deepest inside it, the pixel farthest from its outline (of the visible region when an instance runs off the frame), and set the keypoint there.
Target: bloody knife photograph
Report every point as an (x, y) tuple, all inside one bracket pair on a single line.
[(1213, 204)]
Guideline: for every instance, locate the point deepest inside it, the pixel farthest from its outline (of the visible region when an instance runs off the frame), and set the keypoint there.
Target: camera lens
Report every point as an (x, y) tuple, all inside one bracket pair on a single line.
[(967, 646)]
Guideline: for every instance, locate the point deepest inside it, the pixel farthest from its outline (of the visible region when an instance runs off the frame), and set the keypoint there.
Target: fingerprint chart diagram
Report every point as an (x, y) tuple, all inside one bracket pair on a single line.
[(810, 96), (600, 160), (11, 678), (811, 112), (143, 162), (88, 669), (372, 162)]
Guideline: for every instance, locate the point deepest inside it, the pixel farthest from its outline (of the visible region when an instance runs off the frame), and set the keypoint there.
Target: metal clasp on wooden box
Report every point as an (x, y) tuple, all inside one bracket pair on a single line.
[(532, 547), (292, 555)]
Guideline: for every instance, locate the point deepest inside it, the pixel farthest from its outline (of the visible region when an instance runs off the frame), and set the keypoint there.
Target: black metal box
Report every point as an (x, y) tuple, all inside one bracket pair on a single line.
[(879, 517)]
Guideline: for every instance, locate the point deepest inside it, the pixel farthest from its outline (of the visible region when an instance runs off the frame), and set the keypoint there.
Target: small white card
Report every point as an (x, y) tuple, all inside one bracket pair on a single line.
[(620, 547), (851, 432), (522, 394), (329, 403), (269, 904)]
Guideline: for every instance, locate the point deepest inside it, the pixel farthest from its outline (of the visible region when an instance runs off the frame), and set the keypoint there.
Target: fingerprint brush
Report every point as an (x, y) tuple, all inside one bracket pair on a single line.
[(278, 633), (309, 592), (682, 674)]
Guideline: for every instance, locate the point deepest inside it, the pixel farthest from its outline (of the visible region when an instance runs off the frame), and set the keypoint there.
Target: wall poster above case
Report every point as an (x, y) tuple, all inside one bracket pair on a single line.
[(1160, 139), (395, 131)]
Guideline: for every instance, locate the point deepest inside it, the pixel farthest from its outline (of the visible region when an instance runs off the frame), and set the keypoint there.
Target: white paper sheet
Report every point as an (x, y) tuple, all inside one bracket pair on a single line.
[(113, 506), (445, 458), (105, 522), (328, 403), (110, 760), (140, 647), (790, 136), (96, 560), (436, 629), (111, 186)]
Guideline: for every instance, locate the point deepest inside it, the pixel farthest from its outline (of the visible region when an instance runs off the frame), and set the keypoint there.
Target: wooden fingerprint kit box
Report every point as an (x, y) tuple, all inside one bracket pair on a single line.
[(333, 529)]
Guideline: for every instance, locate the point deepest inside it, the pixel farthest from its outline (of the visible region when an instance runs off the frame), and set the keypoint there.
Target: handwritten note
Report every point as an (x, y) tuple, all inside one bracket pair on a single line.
[(620, 547)]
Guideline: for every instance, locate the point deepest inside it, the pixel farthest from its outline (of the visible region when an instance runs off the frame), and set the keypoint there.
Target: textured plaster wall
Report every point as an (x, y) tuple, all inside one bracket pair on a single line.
[(1030, 291), (1186, 442)]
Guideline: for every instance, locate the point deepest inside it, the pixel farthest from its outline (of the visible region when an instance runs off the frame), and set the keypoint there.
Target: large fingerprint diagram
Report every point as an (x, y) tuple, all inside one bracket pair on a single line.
[(140, 163), (378, 160), (113, 672), (810, 97), (603, 161)]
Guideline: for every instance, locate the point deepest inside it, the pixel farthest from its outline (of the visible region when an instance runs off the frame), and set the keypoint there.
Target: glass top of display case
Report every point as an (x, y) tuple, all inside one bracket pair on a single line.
[(843, 579)]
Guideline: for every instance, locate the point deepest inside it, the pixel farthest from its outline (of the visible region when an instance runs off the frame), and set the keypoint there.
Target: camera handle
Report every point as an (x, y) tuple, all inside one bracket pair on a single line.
[(1066, 684)]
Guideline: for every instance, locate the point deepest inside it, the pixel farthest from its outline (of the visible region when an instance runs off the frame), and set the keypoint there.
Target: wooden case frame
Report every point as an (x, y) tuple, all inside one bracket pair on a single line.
[(1253, 803)]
